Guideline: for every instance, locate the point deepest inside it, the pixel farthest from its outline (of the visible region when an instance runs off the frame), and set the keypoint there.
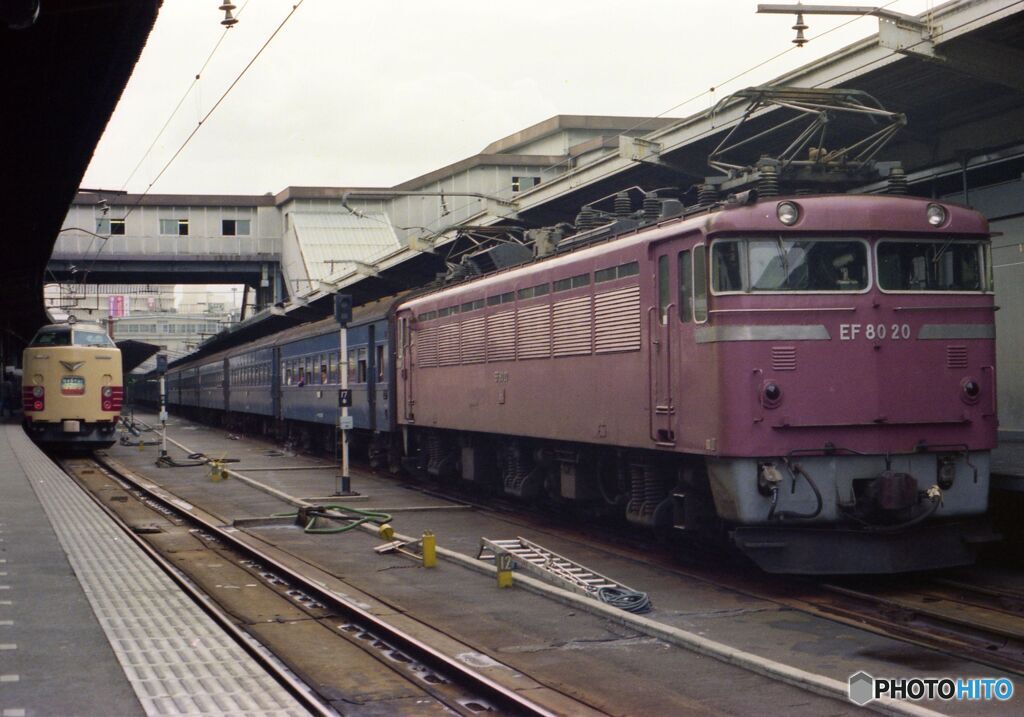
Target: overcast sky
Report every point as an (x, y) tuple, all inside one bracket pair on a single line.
[(373, 94)]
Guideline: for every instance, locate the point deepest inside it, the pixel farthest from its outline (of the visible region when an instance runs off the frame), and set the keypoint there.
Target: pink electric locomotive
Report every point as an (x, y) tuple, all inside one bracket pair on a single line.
[(812, 376)]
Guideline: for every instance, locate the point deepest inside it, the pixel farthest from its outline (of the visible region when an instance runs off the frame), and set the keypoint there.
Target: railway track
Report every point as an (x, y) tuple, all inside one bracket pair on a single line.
[(333, 631), (975, 622), (978, 623)]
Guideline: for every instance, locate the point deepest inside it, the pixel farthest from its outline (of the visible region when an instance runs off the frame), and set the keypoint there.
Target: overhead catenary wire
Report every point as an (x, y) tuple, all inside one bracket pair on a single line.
[(552, 170), (213, 109), (188, 91)]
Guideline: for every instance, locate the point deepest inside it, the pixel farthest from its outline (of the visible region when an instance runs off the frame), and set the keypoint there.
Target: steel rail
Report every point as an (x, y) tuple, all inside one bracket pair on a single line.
[(506, 700), (276, 669)]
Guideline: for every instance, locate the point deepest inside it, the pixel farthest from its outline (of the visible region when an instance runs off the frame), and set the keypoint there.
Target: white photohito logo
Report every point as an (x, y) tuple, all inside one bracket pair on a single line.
[(864, 688)]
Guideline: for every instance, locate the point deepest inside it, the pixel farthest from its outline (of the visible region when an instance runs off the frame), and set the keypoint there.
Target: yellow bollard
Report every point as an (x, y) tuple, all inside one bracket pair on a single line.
[(503, 561), (429, 550)]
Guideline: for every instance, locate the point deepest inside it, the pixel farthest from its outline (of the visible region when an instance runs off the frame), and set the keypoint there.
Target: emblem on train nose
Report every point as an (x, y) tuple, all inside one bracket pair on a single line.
[(72, 365)]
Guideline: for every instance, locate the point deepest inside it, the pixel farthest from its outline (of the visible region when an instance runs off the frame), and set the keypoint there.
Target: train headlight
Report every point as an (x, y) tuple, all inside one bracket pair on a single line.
[(771, 395), (970, 390), (107, 392), (37, 391), (946, 472), (788, 213), (937, 215)]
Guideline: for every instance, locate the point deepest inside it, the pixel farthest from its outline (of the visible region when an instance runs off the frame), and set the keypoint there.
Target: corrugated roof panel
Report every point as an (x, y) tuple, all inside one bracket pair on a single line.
[(328, 241)]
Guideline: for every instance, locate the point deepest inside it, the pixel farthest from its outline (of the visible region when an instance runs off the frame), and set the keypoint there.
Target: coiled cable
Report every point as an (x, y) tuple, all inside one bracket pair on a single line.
[(632, 601)]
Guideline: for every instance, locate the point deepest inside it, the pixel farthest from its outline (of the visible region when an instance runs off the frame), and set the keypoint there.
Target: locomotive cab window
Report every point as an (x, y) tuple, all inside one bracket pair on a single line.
[(777, 264), (53, 337), (932, 265)]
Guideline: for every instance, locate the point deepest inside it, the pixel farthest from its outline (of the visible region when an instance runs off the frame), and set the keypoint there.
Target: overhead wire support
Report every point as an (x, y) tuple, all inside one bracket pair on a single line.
[(177, 107), (216, 104)]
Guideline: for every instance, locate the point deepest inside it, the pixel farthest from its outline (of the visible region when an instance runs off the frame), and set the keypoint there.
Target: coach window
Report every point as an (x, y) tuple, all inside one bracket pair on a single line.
[(685, 285), (323, 369), (380, 362), (700, 284), (351, 365), (361, 366), (663, 289), (332, 368)]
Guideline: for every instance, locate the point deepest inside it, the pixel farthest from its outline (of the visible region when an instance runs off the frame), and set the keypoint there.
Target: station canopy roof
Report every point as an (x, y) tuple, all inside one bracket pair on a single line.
[(134, 353), (331, 244)]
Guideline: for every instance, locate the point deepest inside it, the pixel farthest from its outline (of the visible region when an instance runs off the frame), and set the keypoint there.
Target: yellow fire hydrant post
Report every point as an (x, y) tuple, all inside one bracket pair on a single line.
[(429, 550), (503, 561)]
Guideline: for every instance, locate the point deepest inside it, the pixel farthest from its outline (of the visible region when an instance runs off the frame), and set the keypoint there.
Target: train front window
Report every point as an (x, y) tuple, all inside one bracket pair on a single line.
[(931, 265), (777, 264), (53, 337), (92, 338)]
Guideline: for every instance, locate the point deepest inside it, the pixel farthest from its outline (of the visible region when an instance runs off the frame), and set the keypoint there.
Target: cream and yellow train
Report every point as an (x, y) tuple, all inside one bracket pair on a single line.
[(72, 386)]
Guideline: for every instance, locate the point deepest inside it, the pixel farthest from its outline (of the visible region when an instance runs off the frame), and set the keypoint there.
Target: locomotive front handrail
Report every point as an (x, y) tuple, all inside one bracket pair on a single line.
[(946, 308), (788, 308)]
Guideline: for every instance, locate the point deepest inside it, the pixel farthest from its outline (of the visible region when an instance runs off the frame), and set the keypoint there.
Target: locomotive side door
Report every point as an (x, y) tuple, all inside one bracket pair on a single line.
[(661, 324), (403, 364)]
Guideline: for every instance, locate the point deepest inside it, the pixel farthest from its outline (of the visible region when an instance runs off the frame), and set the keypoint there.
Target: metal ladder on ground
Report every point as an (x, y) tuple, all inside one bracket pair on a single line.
[(563, 572)]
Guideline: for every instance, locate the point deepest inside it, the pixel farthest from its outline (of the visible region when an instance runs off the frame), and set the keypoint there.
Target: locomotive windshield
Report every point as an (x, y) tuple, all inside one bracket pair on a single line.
[(52, 337), (931, 265), (777, 264), (92, 338)]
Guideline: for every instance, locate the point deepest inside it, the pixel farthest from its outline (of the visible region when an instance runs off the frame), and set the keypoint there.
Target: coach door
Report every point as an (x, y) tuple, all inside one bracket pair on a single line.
[(660, 326)]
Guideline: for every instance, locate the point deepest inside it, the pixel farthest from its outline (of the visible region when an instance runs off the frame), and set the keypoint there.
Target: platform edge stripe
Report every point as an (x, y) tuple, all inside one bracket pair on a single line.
[(89, 539)]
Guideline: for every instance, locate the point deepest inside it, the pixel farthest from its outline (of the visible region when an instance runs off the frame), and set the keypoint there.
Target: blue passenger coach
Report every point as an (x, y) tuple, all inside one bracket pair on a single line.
[(288, 383)]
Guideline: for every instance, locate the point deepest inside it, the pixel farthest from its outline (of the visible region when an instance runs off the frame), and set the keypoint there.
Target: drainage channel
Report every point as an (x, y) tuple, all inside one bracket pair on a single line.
[(452, 684)]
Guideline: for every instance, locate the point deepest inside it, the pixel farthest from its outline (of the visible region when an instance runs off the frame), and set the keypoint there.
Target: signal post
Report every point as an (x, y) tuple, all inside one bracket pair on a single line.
[(343, 315)]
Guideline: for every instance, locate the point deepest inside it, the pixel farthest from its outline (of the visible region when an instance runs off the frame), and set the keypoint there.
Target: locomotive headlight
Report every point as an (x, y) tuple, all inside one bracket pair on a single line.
[(946, 472), (37, 391), (771, 395), (937, 215), (970, 390), (788, 213), (107, 392)]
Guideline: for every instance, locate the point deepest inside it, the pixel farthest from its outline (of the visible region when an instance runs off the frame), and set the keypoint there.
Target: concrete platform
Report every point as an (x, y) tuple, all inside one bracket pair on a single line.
[(90, 626), (532, 634)]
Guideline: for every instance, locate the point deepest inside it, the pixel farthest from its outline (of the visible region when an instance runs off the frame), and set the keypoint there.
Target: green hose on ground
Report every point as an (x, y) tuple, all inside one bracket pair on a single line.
[(358, 517)]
